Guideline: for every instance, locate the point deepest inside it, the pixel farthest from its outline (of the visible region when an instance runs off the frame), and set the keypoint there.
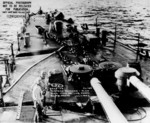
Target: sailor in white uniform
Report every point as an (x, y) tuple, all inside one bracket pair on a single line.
[(37, 94)]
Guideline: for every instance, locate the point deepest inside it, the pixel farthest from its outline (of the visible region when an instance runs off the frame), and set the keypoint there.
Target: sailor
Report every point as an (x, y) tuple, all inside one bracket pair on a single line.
[(75, 29), (23, 29), (47, 18), (44, 85), (37, 94), (45, 37), (58, 15), (84, 26), (11, 62), (40, 12), (50, 73), (27, 18), (58, 25), (43, 80), (51, 26), (104, 37), (122, 75), (38, 99), (55, 11)]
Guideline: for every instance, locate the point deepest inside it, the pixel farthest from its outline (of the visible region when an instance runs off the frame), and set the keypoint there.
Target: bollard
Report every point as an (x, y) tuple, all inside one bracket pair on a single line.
[(11, 63), (104, 37), (97, 32), (113, 113), (58, 27), (27, 41), (47, 17)]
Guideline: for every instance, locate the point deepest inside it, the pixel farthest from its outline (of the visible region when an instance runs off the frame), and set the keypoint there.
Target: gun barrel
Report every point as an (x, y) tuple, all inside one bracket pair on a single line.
[(143, 88), (113, 113)]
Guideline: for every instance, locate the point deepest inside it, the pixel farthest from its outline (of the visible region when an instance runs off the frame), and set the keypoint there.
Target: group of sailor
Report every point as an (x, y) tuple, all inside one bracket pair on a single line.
[(39, 89)]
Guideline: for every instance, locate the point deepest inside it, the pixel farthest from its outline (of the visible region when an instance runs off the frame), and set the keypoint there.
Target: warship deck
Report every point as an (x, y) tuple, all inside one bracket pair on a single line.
[(24, 82)]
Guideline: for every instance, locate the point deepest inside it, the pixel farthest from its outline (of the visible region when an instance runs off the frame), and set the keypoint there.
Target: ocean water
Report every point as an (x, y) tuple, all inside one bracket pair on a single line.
[(8, 34), (130, 16)]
